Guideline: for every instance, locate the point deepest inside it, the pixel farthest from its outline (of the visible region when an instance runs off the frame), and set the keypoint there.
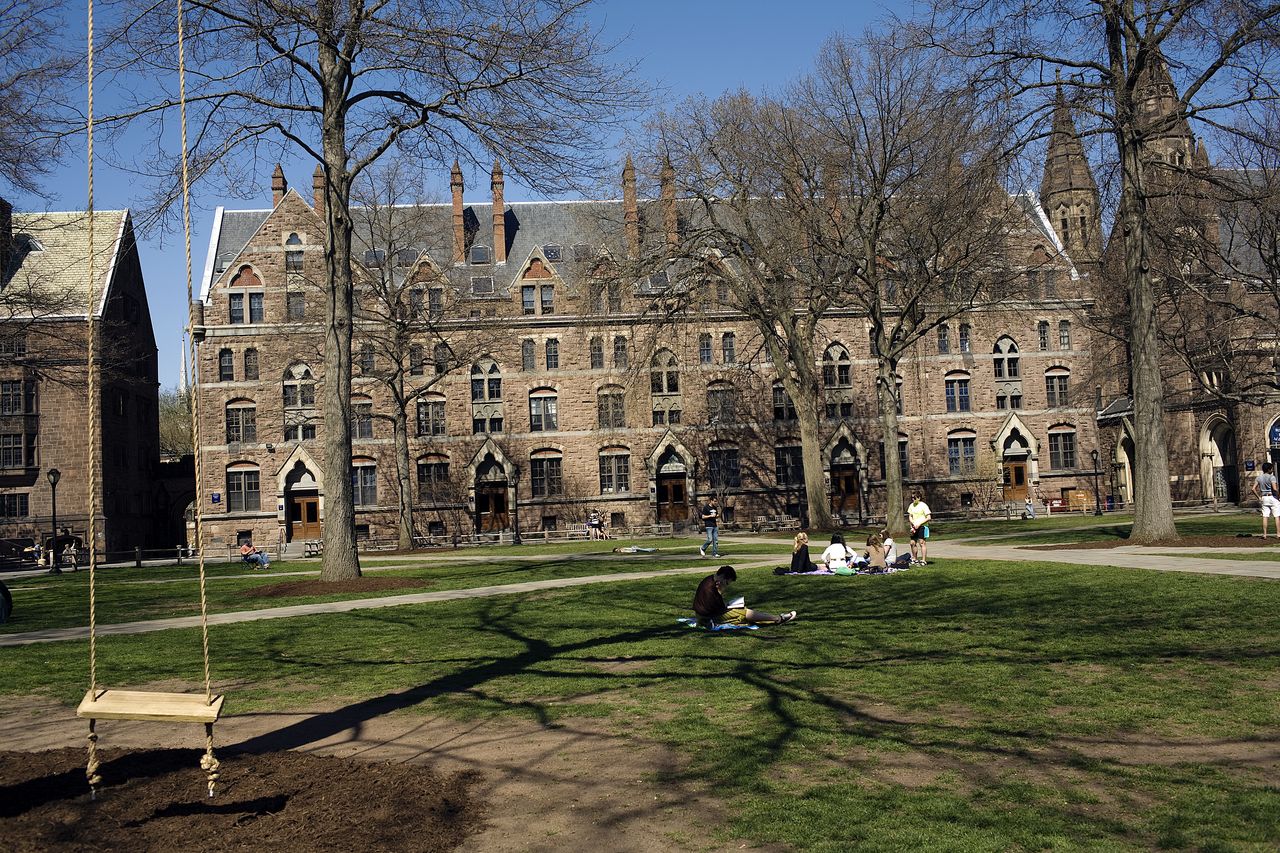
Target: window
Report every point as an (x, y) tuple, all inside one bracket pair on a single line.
[(615, 471), (597, 353), (440, 355), (784, 409), (545, 479), (966, 336), (374, 258), (433, 476), (417, 305), (255, 308), (1005, 361), (542, 411), (944, 340), (904, 460), (364, 358), (620, 359), (553, 354), (11, 450), (1064, 334), (526, 355), (615, 297), (551, 252), (15, 506), (486, 381), (704, 348), (435, 301), (293, 254), (835, 367), (664, 373), (296, 306), (299, 432), (482, 284), (611, 407), (431, 416), (362, 418), (251, 364), (528, 295), (581, 252), (961, 454), (417, 365), (235, 308), (242, 422), (1055, 387), (1050, 278), (548, 296), (1042, 331), (723, 467), (364, 484), (406, 257), (722, 402), (1062, 448), (728, 348), (226, 366), (957, 389), (18, 397), (788, 465), (242, 490), (14, 346), (479, 254)]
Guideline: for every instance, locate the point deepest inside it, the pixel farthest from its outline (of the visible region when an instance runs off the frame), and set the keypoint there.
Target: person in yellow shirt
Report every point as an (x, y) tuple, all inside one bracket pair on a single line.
[(918, 513)]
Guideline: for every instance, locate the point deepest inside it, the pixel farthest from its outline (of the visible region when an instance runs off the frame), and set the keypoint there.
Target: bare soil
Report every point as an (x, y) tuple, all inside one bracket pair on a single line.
[(1206, 542), (292, 589)]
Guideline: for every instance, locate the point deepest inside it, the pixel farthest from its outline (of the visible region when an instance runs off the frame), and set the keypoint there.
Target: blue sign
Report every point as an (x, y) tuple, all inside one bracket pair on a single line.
[(1248, 464), (216, 497)]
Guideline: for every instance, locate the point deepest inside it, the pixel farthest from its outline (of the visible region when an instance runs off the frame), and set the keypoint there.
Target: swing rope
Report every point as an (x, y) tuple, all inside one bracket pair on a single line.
[(208, 762)]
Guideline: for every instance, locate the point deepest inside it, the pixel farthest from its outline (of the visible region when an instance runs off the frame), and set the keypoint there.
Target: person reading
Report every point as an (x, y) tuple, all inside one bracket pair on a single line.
[(710, 607), (250, 553)]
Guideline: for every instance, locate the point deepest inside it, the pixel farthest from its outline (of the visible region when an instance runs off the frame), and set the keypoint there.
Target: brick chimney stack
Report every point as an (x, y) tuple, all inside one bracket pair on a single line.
[(499, 216), (670, 224), (459, 230), (630, 209), (318, 190), (279, 186)]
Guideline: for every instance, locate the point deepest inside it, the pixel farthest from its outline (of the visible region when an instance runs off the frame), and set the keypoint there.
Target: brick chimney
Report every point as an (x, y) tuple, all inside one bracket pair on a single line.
[(6, 237), (459, 230), (670, 224), (630, 210), (317, 189), (279, 186), (499, 216)]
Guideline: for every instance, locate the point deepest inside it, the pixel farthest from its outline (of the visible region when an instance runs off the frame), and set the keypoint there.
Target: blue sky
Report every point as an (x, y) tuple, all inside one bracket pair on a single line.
[(688, 47)]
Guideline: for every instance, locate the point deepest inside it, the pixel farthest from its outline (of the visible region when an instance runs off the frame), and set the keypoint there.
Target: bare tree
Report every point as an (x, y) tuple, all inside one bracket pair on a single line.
[(36, 67), (175, 422), (343, 82), (1120, 56)]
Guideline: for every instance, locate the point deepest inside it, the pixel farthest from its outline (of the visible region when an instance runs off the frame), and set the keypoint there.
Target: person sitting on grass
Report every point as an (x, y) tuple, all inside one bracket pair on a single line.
[(250, 553), (709, 606), (875, 553), (800, 562), (891, 557), (836, 557)]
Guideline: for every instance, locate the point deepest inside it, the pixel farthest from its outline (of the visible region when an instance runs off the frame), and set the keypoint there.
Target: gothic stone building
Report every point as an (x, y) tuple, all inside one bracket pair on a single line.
[(554, 396), (44, 405)]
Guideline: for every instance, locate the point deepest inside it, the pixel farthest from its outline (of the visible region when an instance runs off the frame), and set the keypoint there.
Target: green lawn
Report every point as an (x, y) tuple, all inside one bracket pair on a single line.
[(977, 706), (1089, 528)]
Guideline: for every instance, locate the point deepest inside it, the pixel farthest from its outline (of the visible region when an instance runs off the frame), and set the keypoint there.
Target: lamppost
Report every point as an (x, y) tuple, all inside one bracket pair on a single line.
[(1097, 499), (54, 476), (515, 504), (1115, 495)]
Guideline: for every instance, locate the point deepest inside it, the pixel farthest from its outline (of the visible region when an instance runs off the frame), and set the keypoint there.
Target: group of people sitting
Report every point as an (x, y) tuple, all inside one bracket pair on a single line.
[(881, 555)]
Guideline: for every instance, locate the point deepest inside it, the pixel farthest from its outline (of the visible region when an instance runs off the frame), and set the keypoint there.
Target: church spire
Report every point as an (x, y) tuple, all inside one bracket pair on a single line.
[(1068, 192)]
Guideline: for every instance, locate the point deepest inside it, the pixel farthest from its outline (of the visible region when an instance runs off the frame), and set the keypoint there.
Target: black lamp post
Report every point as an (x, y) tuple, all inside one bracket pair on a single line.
[(1097, 500), (515, 505), (54, 476)]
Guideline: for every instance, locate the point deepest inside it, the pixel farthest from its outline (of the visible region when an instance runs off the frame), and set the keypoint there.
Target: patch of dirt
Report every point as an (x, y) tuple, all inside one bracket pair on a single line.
[(288, 801), (291, 589), (1219, 541)]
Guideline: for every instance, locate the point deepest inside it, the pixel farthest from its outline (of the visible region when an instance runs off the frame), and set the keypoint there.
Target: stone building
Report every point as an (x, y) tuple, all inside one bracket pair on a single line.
[(533, 387), (44, 406)]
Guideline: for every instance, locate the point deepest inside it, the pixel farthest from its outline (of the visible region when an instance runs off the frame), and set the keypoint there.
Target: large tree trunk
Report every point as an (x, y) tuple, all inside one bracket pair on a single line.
[(341, 561), (815, 486), (886, 396), (403, 477)]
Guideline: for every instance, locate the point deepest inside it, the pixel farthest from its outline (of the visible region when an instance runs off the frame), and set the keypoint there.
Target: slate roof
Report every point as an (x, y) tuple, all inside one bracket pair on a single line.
[(51, 262)]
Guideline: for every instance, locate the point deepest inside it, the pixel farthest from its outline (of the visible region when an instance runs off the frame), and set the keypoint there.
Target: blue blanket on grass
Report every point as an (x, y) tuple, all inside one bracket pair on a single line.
[(689, 622)]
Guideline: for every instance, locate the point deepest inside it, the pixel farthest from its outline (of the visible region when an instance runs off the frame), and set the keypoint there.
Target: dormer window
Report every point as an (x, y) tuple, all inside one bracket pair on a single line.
[(374, 258), (406, 257), (482, 284), (552, 253), (581, 253), (480, 255)]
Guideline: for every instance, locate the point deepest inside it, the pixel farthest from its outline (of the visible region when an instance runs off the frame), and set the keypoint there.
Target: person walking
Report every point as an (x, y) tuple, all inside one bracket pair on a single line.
[(919, 514), (711, 521), (1267, 489)]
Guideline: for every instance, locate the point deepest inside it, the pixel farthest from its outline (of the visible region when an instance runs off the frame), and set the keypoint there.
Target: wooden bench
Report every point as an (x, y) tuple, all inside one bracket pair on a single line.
[(313, 548)]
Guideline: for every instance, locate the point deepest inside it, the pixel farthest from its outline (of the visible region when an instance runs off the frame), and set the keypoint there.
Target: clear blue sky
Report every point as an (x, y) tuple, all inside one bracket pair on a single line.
[(686, 46)]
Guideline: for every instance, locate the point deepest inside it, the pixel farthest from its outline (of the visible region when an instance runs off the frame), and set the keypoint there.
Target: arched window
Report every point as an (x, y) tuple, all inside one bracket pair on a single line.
[(836, 367), (236, 301), (226, 365), (361, 417), (553, 353), (957, 391), (722, 403), (597, 353), (1064, 334), (431, 415), (242, 422), (433, 478), (1042, 332), (440, 356), (299, 393), (528, 360), (704, 348), (615, 470), (611, 407), (251, 365), (1056, 381), (416, 360), (962, 452), (966, 337), (664, 373), (364, 481), (944, 339), (486, 381), (365, 360), (1005, 362), (243, 490), (1062, 446), (293, 254), (542, 410), (546, 478), (728, 348), (620, 359)]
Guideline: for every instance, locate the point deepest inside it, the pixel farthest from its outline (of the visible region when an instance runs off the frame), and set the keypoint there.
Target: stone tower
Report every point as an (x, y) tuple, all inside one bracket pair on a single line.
[(1068, 192)]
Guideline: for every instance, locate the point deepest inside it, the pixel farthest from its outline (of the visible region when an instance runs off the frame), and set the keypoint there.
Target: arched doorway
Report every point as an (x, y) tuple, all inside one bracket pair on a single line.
[(845, 482), (1273, 442), (1124, 469), (1218, 462), (669, 479), (302, 504), (491, 496), (1013, 462)]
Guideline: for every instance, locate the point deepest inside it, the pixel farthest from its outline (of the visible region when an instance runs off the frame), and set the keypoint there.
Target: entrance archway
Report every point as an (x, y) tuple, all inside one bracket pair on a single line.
[(302, 504), (671, 484), (1013, 466), (1218, 475), (845, 480), (1124, 461), (491, 496)]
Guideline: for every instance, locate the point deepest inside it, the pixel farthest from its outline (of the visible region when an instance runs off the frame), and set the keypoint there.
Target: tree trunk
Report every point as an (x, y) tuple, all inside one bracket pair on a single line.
[(341, 560), (886, 396), (403, 478), (1152, 504), (815, 487)]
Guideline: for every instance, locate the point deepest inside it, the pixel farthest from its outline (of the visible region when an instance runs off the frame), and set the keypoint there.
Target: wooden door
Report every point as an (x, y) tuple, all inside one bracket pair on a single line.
[(304, 518), (491, 507), (673, 505), (1015, 481), (844, 489)]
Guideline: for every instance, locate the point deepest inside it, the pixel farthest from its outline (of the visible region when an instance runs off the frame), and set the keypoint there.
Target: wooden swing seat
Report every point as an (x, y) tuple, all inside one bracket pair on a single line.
[(142, 705)]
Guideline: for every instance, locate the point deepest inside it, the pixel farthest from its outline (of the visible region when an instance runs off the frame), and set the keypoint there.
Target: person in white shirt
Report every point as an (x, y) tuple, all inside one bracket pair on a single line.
[(837, 554), (919, 514), (1267, 489)]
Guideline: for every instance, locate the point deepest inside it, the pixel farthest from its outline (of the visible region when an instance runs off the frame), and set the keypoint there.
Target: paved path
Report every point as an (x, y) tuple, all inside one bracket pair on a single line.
[(1154, 558)]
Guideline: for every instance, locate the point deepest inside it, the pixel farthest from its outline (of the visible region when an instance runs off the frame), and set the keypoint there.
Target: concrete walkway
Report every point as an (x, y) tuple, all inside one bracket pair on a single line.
[(1154, 558)]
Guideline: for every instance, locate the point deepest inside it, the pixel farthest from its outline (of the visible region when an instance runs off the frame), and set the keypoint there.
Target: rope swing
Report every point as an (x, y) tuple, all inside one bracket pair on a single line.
[(101, 703)]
